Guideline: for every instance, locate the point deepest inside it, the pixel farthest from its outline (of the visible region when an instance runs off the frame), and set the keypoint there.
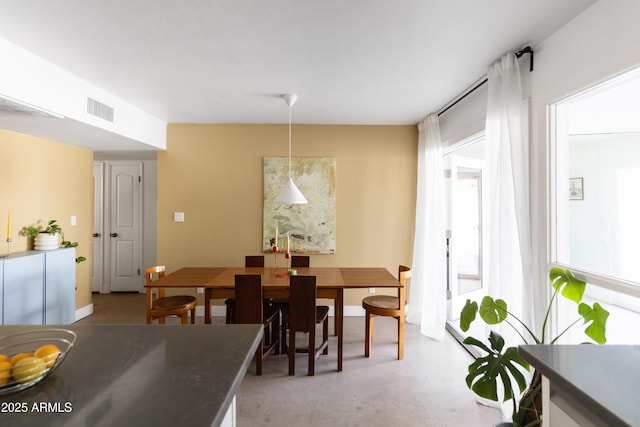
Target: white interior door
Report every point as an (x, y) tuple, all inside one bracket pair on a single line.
[(98, 228), (125, 231)]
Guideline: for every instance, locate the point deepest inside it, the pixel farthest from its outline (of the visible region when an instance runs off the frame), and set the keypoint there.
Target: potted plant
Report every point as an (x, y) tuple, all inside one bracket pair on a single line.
[(49, 238), (503, 368)]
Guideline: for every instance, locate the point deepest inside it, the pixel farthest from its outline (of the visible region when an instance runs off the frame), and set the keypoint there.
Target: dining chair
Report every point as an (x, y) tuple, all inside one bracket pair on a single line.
[(162, 306), (249, 261), (302, 315), (251, 308), (385, 305), (283, 304), (299, 261)]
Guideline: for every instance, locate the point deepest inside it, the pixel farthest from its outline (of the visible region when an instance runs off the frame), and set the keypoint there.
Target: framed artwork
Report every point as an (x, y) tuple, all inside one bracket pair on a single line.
[(311, 227), (576, 190)]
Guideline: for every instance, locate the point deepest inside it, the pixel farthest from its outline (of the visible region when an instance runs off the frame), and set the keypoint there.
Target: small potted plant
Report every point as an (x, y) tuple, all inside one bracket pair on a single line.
[(503, 368), (49, 238), (45, 239)]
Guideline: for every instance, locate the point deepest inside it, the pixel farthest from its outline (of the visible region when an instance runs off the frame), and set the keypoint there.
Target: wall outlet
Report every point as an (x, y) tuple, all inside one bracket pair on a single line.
[(372, 290), (201, 290), (178, 217)]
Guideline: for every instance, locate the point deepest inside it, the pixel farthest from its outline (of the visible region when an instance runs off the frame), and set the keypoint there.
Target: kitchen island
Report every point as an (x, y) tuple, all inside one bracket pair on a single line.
[(139, 375), (587, 385)]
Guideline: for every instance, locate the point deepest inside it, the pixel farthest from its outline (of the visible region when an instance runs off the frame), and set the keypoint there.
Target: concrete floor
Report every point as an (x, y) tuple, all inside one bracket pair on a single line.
[(427, 388)]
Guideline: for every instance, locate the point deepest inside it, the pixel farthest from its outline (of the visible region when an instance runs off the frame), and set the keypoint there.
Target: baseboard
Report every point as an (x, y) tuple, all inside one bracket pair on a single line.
[(83, 312)]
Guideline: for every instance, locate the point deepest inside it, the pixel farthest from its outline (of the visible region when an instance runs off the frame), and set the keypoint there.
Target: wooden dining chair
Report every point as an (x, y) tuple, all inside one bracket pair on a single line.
[(299, 261), (162, 306), (283, 304), (249, 261), (385, 305), (302, 315), (251, 308)]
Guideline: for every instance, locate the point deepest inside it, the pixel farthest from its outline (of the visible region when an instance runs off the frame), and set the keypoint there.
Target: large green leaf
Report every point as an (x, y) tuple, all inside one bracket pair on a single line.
[(485, 372), (468, 314), (598, 317), (493, 311), (567, 284)]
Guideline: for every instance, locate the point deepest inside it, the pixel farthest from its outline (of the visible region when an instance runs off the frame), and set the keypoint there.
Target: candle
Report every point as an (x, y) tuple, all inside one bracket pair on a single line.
[(275, 242), (9, 225), (287, 242)]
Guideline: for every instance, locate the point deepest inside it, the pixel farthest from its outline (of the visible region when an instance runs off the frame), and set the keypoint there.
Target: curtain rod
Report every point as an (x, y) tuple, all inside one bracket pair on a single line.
[(484, 79)]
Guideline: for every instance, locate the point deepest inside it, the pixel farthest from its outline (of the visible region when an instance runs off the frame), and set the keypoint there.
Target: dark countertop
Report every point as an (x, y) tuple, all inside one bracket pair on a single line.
[(599, 381), (139, 375)]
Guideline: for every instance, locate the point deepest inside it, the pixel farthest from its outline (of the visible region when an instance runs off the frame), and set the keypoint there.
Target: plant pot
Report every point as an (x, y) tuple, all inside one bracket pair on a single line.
[(46, 242), (504, 424)]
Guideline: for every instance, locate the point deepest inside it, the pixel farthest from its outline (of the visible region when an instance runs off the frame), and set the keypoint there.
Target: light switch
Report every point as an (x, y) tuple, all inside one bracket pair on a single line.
[(74, 220), (178, 217)]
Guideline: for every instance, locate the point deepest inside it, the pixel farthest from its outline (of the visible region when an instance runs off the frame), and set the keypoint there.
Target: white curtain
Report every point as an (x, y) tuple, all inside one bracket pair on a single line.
[(428, 280), (507, 160)]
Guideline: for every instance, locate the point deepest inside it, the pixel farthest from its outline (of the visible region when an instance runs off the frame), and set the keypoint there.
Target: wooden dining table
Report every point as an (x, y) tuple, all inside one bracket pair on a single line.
[(219, 283)]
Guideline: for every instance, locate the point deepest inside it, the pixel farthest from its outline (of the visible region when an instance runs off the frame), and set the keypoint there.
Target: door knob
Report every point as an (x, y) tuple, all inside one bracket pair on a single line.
[(114, 234), (96, 234)]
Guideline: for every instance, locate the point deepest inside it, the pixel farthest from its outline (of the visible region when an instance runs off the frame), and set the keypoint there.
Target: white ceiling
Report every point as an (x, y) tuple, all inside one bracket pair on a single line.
[(229, 61)]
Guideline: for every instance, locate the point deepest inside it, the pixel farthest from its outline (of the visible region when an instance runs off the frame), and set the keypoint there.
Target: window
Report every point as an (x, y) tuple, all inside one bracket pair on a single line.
[(595, 174)]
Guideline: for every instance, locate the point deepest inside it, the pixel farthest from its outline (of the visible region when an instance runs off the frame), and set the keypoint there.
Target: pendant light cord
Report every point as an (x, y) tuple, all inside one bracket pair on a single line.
[(289, 141)]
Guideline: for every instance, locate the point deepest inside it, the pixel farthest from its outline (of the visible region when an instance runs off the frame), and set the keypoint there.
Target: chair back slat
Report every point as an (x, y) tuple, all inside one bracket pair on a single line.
[(302, 297), (254, 261), (300, 261), (154, 273), (248, 298), (404, 273)]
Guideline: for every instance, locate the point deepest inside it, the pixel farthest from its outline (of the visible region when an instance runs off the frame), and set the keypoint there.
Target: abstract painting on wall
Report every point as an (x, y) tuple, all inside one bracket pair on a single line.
[(311, 227)]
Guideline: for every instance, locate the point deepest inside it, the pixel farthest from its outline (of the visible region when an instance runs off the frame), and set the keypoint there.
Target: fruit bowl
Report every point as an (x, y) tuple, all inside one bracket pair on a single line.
[(26, 358)]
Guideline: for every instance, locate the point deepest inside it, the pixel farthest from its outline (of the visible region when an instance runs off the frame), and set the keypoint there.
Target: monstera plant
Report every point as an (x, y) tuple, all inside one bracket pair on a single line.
[(502, 367)]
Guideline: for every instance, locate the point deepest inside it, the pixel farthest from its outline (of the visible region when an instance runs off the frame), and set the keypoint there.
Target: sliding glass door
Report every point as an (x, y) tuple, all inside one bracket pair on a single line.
[(465, 214)]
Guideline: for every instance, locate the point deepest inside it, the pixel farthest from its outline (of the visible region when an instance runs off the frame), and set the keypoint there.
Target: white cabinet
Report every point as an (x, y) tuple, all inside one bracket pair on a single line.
[(38, 287), (60, 287), (23, 282)]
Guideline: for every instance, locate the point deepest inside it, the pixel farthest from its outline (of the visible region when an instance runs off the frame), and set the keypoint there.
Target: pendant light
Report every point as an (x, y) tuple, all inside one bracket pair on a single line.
[(289, 194)]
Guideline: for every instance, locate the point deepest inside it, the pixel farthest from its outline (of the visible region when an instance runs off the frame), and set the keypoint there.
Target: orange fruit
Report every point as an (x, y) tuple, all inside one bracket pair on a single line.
[(49, 353), (5, 371), (28, 369), (17, 357), (4, 358)]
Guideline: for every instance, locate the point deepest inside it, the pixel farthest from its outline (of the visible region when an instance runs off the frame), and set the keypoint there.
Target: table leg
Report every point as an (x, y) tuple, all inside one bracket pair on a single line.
[(207, 306), (339, 308)]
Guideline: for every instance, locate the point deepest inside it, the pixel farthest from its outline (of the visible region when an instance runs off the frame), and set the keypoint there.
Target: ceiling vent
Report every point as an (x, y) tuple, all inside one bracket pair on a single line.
[(10, 107), (100, 110)]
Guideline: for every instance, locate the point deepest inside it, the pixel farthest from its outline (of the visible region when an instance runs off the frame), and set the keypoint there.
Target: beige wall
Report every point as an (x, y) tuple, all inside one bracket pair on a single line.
[(213, 173), (42, 180)]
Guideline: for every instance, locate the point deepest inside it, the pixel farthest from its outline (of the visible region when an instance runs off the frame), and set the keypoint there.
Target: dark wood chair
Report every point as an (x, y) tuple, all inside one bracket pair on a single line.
[(249, 261), (299, 261), (385, 305), (296, 261), (162, 306), (302, 315), (251, 308)]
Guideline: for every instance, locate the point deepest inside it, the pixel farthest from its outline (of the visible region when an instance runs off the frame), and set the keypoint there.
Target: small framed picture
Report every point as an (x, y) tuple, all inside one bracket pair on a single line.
[(576, 190)]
